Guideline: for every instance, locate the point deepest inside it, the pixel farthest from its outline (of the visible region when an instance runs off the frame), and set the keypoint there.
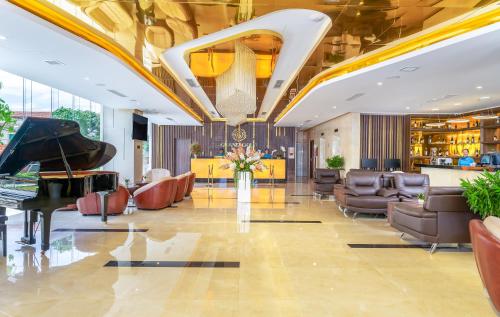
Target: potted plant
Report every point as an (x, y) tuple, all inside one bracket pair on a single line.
[(195, 149), (127, 182), (483, 194), (420, 198), (335, 162)]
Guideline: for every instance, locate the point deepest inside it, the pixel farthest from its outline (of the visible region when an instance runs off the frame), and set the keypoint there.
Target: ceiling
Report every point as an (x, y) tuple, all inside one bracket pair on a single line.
[(452, 76), (358, 27), (86, 70)]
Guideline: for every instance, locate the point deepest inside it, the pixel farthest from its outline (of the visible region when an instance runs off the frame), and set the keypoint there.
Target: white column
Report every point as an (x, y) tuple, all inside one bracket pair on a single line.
[(117, 130)]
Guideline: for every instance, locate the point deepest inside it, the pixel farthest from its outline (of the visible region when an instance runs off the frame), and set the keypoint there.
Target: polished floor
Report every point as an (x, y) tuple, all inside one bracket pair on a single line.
[(297, 264)]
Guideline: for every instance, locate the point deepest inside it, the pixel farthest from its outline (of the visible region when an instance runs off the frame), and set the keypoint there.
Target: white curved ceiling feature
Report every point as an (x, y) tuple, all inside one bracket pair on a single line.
[(300, 30), (440, 78)]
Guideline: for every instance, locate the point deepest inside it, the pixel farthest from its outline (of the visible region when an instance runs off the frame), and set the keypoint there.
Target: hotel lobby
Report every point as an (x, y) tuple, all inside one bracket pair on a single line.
[(249, 158)]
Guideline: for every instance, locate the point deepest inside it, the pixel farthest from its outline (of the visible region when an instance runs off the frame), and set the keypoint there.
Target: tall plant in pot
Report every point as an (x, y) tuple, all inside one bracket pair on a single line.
[(335, 162), (195, 149), (483, 194)]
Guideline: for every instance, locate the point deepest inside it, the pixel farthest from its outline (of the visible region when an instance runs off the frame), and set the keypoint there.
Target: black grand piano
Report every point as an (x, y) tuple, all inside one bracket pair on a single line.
[(63, 160)]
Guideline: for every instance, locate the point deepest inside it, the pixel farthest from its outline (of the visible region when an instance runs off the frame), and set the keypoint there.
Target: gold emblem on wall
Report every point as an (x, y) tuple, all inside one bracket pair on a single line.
[(239, 134)]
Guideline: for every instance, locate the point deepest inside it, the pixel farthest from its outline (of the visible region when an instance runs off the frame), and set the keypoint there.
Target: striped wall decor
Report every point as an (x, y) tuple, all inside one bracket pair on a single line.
[(214, 136), (386, 137)]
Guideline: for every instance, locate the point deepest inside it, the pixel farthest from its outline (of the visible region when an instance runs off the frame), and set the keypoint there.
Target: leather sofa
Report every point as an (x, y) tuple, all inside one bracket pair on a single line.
[(365, 192), (409, 185), (443, 218), (190, 186), (325, 179), (485, 238), (91, 204), (182, 186), (156, 195)]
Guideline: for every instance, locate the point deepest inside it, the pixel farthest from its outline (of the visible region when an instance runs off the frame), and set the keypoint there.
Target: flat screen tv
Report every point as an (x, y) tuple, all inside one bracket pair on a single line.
[(140, 128)]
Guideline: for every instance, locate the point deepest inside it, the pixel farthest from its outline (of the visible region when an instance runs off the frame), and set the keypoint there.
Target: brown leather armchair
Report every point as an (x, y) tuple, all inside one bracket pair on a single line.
[(443, 218), (486, 246), (91, 204), (364, 193), (182, 186), (409, 185), (325, 179), (190, 186), (156, 195)]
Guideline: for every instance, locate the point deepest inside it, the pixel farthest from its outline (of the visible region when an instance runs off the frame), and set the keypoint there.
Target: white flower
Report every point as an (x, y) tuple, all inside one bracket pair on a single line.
[(242, 156), (248, 160), (232, 166), (252, 167)]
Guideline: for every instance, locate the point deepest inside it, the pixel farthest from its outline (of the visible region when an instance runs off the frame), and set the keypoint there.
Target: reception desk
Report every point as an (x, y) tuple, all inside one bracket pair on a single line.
[(446, 175), (202, 166)]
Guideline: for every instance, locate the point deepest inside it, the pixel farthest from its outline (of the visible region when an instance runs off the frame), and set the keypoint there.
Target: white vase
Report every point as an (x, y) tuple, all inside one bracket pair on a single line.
[(244, 186)]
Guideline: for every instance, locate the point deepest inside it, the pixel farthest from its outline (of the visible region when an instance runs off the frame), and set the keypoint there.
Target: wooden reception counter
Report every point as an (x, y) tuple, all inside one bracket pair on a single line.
[(202, 166)]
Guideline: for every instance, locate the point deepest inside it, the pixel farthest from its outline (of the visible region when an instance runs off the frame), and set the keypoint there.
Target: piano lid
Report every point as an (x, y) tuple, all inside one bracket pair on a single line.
[(38, 140)]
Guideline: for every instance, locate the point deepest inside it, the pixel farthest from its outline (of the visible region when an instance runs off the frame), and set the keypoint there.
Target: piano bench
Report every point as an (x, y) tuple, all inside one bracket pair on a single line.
[(3, 234)]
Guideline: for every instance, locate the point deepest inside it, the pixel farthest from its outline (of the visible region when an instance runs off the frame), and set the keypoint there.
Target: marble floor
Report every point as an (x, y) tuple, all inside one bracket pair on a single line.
[(301, 268)]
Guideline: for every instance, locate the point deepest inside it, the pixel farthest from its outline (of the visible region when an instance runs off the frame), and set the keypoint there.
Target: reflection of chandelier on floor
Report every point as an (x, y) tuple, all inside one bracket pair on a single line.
[(235, 88)]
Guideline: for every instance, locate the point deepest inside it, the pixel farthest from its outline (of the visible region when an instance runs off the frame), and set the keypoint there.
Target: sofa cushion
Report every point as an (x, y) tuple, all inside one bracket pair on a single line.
[(387, 192), (410, 185), (493, 225), (414, 210), (373, 202)]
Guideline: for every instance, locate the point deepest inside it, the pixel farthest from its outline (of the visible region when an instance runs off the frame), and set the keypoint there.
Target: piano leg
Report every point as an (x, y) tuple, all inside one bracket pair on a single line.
[(45, 216), (30, 218), (103, 196)]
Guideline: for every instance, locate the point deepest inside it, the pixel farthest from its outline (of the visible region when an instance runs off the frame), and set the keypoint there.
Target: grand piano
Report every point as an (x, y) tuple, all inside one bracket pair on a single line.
[(47, 165)]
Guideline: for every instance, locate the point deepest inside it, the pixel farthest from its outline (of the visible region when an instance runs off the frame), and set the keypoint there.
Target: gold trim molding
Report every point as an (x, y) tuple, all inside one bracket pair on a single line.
[(58, 17), (429, 37)]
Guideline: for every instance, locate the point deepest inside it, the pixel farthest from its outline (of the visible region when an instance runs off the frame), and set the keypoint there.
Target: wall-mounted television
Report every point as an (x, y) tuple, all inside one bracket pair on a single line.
[(140, 127)]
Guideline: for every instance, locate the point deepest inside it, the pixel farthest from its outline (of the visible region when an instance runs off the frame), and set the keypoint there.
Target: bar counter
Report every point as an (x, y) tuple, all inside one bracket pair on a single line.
[(202, 166), (450, 175)]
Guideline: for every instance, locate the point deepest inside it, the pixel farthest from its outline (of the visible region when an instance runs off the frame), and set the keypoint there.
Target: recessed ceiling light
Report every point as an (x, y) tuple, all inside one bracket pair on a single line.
[(409, 69), (380, 83), (334, 107), (435, 109), (484, 98), (2, 37), (86, 78), (479, 87), (407, 108), (316, 116), (457, 104)]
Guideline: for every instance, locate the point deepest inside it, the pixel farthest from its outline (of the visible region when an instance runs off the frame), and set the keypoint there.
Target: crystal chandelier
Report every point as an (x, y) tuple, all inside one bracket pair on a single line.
[(235, 88)]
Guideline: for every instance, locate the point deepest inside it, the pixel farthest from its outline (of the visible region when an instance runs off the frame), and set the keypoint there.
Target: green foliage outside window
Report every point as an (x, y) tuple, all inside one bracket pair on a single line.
[(7, 123), (89, 121)]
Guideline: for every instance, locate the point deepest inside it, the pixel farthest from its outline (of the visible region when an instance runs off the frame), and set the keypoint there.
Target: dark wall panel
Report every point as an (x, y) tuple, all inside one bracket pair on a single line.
[(385, 137)]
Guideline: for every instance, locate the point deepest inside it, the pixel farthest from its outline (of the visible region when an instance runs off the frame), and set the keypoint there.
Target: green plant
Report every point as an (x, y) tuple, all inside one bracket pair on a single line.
[(420, 196), (336, 161), (7, 123), (195, 149), (89, 121), (483, 194)]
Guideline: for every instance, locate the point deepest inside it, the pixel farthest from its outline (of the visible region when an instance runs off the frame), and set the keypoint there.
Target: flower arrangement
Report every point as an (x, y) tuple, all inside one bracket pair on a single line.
[(244, 160)]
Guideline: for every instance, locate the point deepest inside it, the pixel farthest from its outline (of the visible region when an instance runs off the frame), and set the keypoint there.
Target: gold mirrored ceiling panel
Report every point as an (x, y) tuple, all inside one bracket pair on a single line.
[(145, 28)]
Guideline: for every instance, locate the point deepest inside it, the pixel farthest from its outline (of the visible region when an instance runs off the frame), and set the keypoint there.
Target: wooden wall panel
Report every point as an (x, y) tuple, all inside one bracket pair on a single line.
[(385, 137), (216, 135)]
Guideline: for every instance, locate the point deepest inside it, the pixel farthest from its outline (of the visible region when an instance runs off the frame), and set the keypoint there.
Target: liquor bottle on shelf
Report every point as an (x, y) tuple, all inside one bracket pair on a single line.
[(477, 153), (430, 139), (472, 140), (495, 138), (467, 141), (440, 153), (415, 124), (411, 153), (446, 153), (422, 140), (426, 153), (456, 127), (418, 153), (411, 140), (452, 141)]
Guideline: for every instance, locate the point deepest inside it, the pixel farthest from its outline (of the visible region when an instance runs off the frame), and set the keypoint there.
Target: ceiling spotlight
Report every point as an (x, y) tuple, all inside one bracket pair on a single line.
[(380, 83), (316, 116), (407, 108), (334, 107), (3, 38), (457, 104), (435, 109), (484, 98), (479, 87), (86, 78), (409, 69)]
